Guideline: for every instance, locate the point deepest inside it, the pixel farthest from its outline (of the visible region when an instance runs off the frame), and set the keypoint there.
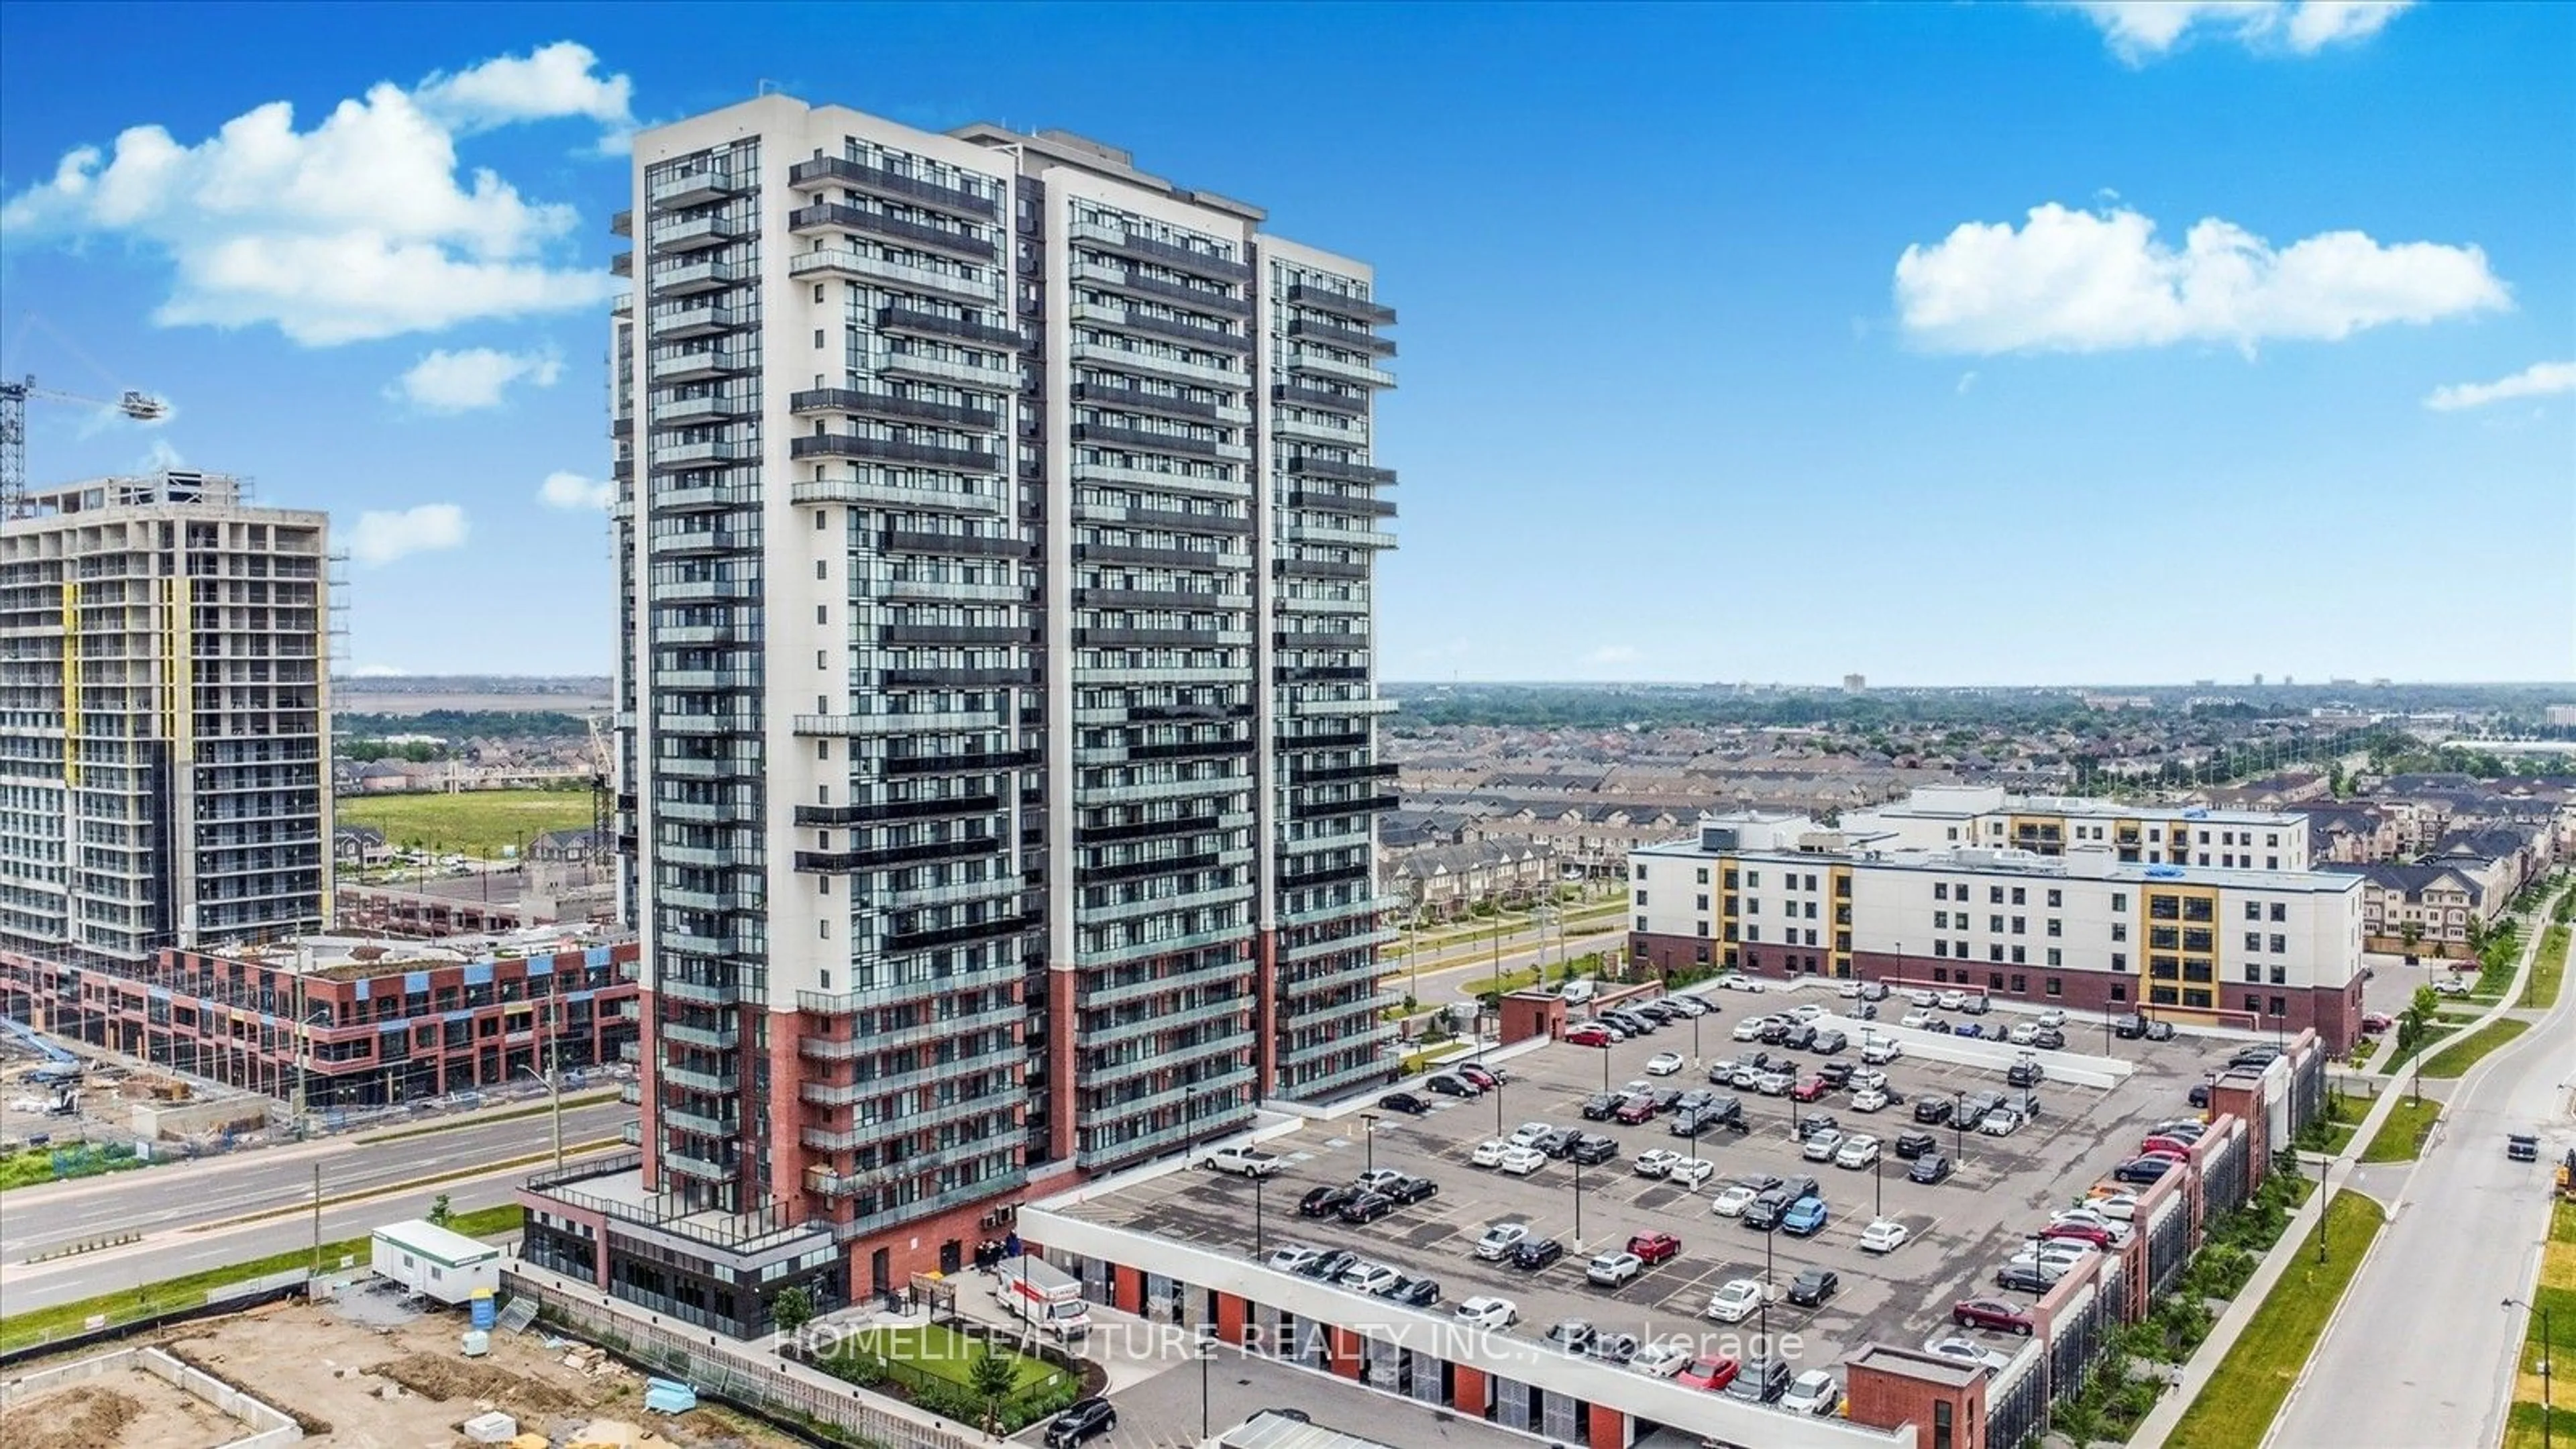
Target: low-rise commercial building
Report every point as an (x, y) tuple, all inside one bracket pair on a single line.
[(2083, 928), (1939, 817)]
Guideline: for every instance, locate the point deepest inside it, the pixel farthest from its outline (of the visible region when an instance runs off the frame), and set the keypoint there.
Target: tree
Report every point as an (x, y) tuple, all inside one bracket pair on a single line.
[(992, 1378), (792, 1309), (2411, 933), (440, 1212)]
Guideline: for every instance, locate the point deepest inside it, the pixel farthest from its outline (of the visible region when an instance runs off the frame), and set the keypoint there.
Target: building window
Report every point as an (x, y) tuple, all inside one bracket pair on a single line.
[(2056, 927), (1940, 948), (2056, 898), (2019, 926), (2253, 910), (1995, 924), (1753, 933), (2055, 957), (2253, 1004), (2119, 900), (1703, 928), (1641, 872), (1940, 975), (2280, 976), (2020, 956), (1994, 895), (1995, 952), (1940, 890), (2280, 911), (1703, 875), (2253, 974), (2279, 1006), (1994, 981), (2119, 991), (2253, 940), (1703, 902), (2020, 984), (1641, 923), (2119, 930), (2017, 897), (2054, 985), (1753, 880)]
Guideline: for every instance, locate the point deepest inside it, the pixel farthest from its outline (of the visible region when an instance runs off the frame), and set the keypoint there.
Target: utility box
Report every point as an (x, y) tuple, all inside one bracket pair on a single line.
[(438, 1264)]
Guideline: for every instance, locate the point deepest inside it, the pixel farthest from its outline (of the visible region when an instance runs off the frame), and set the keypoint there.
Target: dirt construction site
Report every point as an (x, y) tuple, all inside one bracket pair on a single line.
[(347, 1383)]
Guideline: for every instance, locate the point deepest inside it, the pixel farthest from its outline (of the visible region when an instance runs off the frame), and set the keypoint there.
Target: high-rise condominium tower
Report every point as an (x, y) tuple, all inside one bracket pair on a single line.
[(999, 526), (164, 771)]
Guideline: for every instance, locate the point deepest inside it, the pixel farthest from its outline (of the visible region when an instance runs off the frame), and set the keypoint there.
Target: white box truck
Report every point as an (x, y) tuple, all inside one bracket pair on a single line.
[(1046, 1295), (434, 1262)]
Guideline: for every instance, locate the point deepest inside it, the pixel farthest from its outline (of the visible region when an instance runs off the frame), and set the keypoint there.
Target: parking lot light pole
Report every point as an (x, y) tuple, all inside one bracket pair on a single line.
[(1368, 1131), (1256, 1214), (1578, 1204), (1764, 1302), (1878, 1183), (2547, 1412), (1959, 1126)]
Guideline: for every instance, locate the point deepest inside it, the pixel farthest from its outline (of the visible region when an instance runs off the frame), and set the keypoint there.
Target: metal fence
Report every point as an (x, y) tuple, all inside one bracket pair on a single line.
[(760, 1382)]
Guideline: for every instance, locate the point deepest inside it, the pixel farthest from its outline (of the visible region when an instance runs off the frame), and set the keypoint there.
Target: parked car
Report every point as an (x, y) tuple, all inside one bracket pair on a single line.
[(1370, 1278), (1806, 1218), (1830, 1041), (1911, 1145), (1489, 1313), (1085, 1421), (1837, 1075), (1869, 1099), (1448, 1086), (1857, 1151), (1653, 1248), (1978, 1004), (2143, 1170), (1932, 1111), (1799, 1038), (1751, 1028), (2199, 1095), (1572, 1335), (1521, 1161), (1713, 1372), (1661, 1359), (1289, 1258), (1886, 1235), (1928, 1170), (1615, 1348), (2050, 1039), (2164, 1030), (1655, 1162), (1412, 1292), (2025, 1073), (1368, 1207), (1559, 1143), (2021, 1278), (1735, 1300), (1485, 1077), (1732, 1200), (1613, 1270), (1500, 1239), (1810, 1090), (1404, 1102), (2001, 1122), (1599, 1106), (1635, 1111), (1951, 1000), (1764, 1212), (1762, 1381), (1812, 1392), (1990, 1313), (1245, 1161), (1323, 1202), (1592, 1149), (1815, 1122), (1690, 1172), (1589, 1034), (1821, 1146), (1531, 1254), (1329, 1267), (1408, 1190), (2132, 1028), (1813, 1286), (1663, 1064), (1878, 1050), (1488, 1153)]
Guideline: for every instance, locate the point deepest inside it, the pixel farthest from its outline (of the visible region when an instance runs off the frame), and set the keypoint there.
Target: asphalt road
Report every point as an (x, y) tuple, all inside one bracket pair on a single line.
[(189, 1213), (2423, 1351)]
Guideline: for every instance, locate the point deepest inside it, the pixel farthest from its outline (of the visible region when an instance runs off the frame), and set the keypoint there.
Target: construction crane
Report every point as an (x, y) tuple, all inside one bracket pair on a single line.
[(603, 794), (141, 407)]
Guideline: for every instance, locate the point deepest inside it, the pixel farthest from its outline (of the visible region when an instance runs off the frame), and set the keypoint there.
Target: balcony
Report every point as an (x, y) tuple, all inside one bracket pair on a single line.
[(696, 233), (1124, 279), (827, 216), (1307, 360), (1128, 319), (1003, 377), (876, 492), (1345, 338), (1141, 400), (704, 1169), (858, 265), (1321, 399), (691, 1122), (621, 223), (1335, 434), (829, 171), (1356, 504), (702, 497), (1340, 304), (702, 409), (1166, 254), (1314, 465), (893, 450), (879, 403), (703, 365), (1339, 535), (704, 321), (694, 188), (622, 264), (848, 725), (1153, 440), (713, 1084), (1093, 350), (697, 277), (670, 456), (916, 323)]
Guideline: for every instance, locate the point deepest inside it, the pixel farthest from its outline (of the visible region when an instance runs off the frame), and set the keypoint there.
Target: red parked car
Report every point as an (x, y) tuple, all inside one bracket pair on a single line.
[(1990, 1313), (1809, 1090), (2162, 1146), (1591, 1036), (1712, 1373), (2082, 1232), (2377, 1021), (1654, 1248)]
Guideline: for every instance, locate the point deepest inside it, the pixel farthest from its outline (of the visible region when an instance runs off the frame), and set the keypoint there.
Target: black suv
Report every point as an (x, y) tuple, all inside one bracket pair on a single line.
[(1799, 1037), (1762, 1381), (1559, 1144), (1932, 1111), (1912, 1145), (2130, 1028), (2025, 1074), (1599, 1106), (1830, 1041), (1368, 1207), (1592, 1149), (1813, 1286), (1837, 1075), (1531, 1254), (1323, 1202), (1088, 1419)]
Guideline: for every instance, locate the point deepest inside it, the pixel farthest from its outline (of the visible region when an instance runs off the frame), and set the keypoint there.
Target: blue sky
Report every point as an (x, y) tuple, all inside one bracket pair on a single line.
[(1945, 343)]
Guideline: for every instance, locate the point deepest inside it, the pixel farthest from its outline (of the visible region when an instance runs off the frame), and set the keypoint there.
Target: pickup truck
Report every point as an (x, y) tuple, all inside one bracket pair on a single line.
[(2522, 1147), (1244, 1161)]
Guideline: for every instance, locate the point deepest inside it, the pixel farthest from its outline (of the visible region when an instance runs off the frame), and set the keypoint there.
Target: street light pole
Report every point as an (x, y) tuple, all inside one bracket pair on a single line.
[(2547, 1410), (1368, 1132), (2322, 1206)]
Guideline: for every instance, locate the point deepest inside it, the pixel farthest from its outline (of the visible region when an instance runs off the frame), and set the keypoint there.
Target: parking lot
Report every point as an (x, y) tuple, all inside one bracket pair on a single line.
[(1961, 1230)]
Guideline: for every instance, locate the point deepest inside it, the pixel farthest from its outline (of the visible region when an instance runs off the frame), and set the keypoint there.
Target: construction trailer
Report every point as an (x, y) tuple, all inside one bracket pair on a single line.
[(438, 1264)]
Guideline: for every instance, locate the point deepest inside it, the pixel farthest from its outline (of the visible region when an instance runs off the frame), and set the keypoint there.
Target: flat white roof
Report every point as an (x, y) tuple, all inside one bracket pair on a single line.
[(428, 1239)]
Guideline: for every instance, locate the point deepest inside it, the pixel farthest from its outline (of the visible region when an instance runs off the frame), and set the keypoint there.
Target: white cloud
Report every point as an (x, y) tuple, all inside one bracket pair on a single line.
[(550, 81), (384, 537), (359, 228), (2541, 379), (2141, 30), (2081, 281), (455, 382), (1609, 654), (572, 490)]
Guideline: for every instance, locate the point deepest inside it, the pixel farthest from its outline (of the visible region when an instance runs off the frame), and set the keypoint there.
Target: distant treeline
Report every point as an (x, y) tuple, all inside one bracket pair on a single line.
[(458, 724), (1609, 706)]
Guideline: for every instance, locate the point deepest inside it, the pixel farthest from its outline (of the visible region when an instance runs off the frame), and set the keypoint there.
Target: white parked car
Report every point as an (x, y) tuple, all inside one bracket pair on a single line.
[(1732, 1202), (1812, 1392), (1293, 1259), (1489, 1153), (2119, 1207), (2452, 986), (1848, 991), (1883, 1236), (1869, 1099), (1738, 981), (1821, 1146), (1656, 1161), (1368, 1277), (1662, 1358), (1663, 1064), (1857, 1151), (1866, 1078), (1522, 1161), (1498, 1240), (2024, 1034), (2051, 1020), (1736, 1301), (1921, 997), (1489, 1313), (1808, 1011), (1951, 1000), (1750, 1028), (1528, 1133), (1688, 1005), (2002, 1122), (1610, 1270), (1690, 1171), (1378, 1179), (1915, 1019)]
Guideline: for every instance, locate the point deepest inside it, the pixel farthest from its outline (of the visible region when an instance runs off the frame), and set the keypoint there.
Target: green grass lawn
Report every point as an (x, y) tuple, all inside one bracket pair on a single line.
[(2468, 1051), (2549, 971), (935, 1349), (37, 1325), (2236, 1407), (484, 823), (2523, 1431), (2400, 1135)]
